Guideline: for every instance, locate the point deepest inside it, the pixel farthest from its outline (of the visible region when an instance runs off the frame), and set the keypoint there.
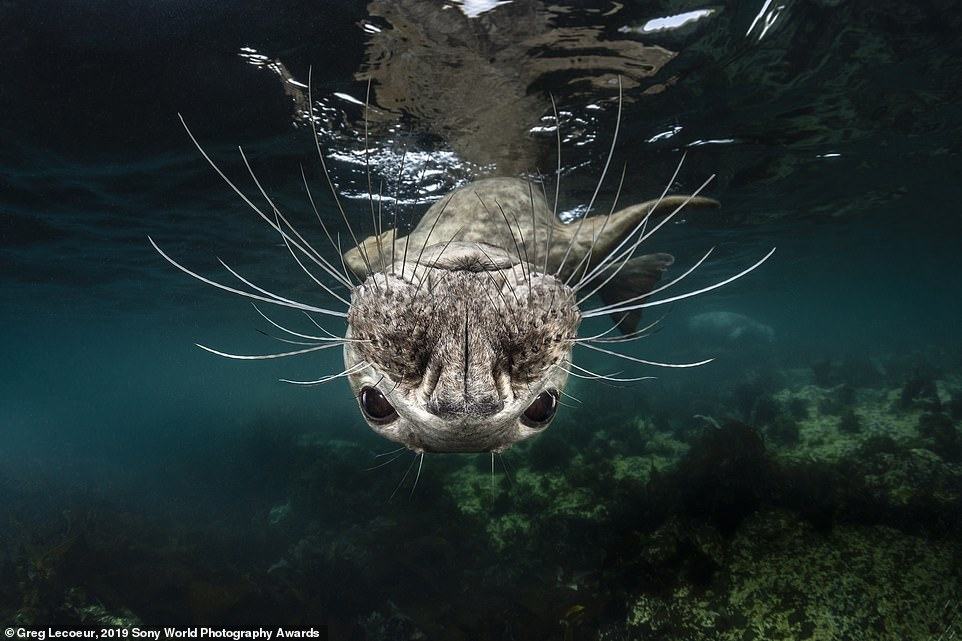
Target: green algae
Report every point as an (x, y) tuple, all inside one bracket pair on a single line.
[(781, 579)]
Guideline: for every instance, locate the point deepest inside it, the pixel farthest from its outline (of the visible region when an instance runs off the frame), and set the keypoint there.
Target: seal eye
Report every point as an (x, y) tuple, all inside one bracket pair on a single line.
[(542, 410), (376, 407)]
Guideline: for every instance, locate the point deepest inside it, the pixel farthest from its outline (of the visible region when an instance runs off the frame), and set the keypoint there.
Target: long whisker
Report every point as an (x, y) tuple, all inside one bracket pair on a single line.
[(640, 225), (643, 361), (311, 275), (408, 471), (330, 182), (298, 334), (274, 301), (670, 283), (348, 279), (507, 472), (602, 334), (601, 180), (387, 462), (622, 259), (428, 237), (367, 167), (502, 274), (437, 259), (282, 339), (324, 379), (407, 239), (521, 259), (534, 226), (397, 204), (557, 185), (628, 308), (508, 225), (253, 286), (627, 338), (607, 377), (586, 259), (306, 249), (260, 357), (247, 200), (400, 449), (320, 327), (418, 475)]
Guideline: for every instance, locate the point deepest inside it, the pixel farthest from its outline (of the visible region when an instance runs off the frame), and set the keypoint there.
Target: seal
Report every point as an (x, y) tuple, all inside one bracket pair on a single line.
[(460, 334), (464, 345)]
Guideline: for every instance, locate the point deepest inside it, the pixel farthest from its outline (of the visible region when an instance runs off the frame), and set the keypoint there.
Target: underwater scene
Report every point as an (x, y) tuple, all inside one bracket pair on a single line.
[(479, 319)]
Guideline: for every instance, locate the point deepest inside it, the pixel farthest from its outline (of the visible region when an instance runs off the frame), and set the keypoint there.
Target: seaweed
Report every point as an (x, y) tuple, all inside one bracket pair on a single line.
[(955, 406), (724, 476), (945, 438), (784, 430), (920, 390), (798, 408), (849, 422), (766, 410)]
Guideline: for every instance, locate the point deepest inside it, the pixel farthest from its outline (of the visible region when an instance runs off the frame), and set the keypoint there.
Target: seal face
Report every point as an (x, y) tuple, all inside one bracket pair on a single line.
[(462, 350)]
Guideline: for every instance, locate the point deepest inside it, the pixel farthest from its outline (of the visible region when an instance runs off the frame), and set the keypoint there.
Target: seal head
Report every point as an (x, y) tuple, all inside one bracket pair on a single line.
[(462, 350)]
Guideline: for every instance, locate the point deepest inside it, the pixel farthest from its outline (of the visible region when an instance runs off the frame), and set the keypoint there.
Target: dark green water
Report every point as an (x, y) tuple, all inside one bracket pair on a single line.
[(807, 484)]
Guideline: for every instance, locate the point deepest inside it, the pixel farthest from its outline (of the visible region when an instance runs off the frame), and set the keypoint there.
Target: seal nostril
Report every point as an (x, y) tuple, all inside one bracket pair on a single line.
[(457, 408)]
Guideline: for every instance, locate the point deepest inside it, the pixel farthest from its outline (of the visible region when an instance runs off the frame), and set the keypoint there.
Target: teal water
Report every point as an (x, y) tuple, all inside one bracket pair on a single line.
[(804, 485)]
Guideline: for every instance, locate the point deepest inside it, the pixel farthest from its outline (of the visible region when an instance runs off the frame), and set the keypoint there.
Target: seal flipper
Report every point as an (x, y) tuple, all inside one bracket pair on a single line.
[(638, 276)]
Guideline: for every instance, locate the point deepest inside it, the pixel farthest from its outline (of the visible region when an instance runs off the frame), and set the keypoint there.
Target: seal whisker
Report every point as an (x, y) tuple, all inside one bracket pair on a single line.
[(507, 471), (320, 327), (643, 361), (307, 249), (428, 237), (627, 338), (534, 228), (298, 334), (640, 225), (730, 279), (324, 379), (674, 281), (236, 189), (282, 339), (259, 357), (367, 168), (588, 374), (417, 477), (557, 184), (311, 275), (586, 260), (604, 172), (252, 285), (622, 259), (401, 482), (327, 175), (397, 204), (500, 271), (407, 239), (400, 449), (387, 462), (438, 259), (510, 231), (273, 300), (525, 261), (348, 279)]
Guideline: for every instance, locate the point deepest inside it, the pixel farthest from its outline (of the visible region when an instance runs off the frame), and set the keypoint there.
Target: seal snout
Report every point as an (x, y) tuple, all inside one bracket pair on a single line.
[(474, 407)]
